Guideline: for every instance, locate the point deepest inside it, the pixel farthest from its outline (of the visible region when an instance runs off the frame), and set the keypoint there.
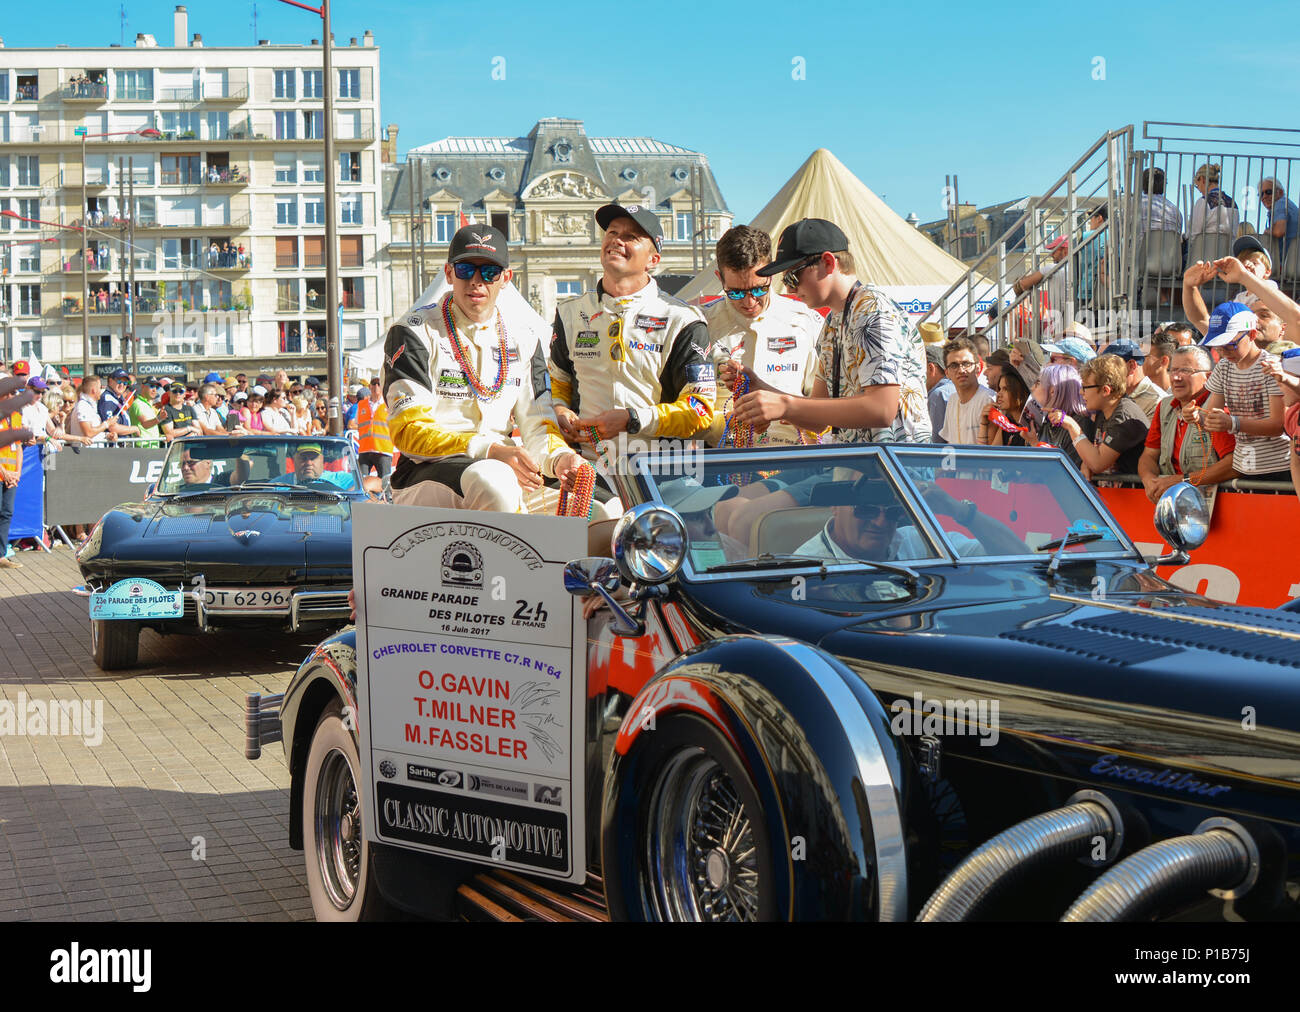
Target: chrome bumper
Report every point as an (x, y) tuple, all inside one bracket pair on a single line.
[(304, 606), (261, 722)]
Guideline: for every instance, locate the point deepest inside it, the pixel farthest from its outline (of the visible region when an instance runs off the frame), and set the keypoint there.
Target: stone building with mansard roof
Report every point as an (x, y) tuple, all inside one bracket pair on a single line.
[(541, 191)]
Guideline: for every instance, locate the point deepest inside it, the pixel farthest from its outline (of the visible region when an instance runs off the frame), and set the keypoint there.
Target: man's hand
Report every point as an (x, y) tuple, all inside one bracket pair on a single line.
[(1201, 273), (938, 499), (1216, 420), (1192, 413), (352, 603), (520, 461), (1017, 357), (568, 421), (1231, 270), (567, 466), (607, 424), (9, 478), (760, 409), (1157, 486)]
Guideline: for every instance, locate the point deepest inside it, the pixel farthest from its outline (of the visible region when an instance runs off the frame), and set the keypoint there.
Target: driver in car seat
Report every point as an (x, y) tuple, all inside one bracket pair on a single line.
[(309, 466), (865, 519)]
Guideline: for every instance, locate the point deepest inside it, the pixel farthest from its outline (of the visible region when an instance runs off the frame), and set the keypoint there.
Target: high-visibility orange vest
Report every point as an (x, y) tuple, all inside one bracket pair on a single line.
[(372, 428), (11, 455)]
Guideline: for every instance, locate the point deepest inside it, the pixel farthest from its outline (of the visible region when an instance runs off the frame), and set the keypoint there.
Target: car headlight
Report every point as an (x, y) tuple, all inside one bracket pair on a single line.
[(649, 543), (1181, 517)]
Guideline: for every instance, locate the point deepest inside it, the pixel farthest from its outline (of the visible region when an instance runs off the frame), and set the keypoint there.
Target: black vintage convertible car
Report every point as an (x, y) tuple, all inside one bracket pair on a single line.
[(255, 530), (882, 683)]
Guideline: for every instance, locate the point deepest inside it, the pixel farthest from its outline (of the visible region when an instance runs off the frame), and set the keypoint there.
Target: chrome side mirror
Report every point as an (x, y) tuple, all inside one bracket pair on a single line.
[(600, 576), (1183, 520)]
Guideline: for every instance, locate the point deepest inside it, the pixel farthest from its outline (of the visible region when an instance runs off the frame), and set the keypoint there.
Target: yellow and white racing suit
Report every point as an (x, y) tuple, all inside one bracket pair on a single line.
[(646, 352), (443, 429), (780, 345)]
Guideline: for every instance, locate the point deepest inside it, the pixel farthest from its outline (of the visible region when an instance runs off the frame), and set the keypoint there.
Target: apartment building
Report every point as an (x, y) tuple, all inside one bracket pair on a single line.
[(214, 156)]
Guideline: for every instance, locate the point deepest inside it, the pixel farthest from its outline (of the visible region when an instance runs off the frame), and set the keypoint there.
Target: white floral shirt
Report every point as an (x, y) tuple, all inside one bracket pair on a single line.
[(878, 348)]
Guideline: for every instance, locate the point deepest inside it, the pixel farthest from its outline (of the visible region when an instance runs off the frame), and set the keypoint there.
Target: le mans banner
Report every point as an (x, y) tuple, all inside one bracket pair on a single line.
[(471, 682)]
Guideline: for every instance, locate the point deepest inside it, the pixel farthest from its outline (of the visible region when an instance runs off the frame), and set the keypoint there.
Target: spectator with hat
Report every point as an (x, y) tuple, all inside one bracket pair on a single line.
[(938, 386), (1138, 385), (1052, 277), (870, 381), (237, 417), (457, 379), (1071, 351), (178, 418), (1247, 252), (1175, 450), (141, 411), (256, 404), (1283, 215), (113, 405), (1244, 399)]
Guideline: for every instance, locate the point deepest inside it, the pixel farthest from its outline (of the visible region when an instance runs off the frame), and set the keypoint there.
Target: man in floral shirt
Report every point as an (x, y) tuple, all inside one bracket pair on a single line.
[(869, 382)]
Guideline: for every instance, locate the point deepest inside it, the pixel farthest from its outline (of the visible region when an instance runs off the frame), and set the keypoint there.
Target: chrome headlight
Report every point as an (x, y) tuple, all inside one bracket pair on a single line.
[(1182, 518), (649, 543)]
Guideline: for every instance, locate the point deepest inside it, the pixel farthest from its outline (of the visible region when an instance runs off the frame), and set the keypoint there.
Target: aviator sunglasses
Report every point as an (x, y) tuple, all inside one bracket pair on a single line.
[(892, 514), (488, 272)]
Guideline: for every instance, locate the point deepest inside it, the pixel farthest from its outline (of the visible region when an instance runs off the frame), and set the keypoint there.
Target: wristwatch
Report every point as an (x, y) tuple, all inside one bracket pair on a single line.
[(968, 511)]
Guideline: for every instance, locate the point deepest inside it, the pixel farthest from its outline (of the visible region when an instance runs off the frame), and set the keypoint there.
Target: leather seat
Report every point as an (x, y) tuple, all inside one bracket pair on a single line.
[(783, 531)]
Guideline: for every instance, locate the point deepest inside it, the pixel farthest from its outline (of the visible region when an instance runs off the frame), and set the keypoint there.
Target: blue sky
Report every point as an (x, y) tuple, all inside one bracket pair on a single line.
[(1003, 94)]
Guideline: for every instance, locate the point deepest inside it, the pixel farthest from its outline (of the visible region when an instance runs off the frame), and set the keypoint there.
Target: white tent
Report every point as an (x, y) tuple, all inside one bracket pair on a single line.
[(516, 312), (887, 250)]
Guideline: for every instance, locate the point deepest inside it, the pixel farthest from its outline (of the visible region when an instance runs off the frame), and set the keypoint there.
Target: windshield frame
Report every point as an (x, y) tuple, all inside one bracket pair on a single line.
[(236, 442), (891, 457), (1016, 453)]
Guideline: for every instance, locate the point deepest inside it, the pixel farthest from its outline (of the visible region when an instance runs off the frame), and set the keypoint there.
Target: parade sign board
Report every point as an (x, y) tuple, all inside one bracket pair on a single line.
[(471, 682), (137, 599)]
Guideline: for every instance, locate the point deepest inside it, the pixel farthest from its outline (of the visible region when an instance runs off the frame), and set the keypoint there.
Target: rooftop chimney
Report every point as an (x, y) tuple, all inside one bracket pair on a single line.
[(315, 42), (353, 42), (263, 42), (388, 148), (368, 39), (143, 40), (198, 40), (180, 27)]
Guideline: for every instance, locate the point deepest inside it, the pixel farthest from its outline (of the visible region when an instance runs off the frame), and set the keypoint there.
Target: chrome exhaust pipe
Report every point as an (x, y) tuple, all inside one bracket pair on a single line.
[(1068, 832), (1220, 856)]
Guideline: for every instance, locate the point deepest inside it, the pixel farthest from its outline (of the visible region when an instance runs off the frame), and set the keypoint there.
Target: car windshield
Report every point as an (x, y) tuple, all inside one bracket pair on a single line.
[(847, 506), (199, 465)]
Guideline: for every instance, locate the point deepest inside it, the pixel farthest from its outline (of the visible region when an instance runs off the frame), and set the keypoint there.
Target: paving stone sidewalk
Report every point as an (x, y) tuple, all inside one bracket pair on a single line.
[(164, 818)]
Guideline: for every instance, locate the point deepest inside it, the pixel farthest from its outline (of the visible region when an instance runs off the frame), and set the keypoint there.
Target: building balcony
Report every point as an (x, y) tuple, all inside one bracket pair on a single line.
[(233, 266), (94, 266), (85, 92), (231, 94)]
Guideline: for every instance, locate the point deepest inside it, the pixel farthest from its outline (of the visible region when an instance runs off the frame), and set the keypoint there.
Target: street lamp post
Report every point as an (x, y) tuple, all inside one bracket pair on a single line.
[(148, 132), (333, 362)]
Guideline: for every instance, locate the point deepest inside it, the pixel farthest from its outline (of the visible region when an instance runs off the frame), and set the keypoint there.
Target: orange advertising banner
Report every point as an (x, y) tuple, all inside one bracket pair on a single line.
[(1246, 559)]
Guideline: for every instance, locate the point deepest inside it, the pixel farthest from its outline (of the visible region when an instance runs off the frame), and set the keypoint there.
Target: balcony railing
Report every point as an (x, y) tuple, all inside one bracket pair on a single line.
[(190, 94), (230, 261), (84, 91), (26, 93), (233, 176), (230, 93)]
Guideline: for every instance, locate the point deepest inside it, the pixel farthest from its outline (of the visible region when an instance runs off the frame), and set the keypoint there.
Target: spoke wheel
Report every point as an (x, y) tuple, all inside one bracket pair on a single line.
[(684, 836), (338, 830), (701, 850)]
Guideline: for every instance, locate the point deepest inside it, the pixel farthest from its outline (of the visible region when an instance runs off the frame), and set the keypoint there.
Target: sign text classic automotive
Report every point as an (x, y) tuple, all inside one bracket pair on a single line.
[(471, 685)]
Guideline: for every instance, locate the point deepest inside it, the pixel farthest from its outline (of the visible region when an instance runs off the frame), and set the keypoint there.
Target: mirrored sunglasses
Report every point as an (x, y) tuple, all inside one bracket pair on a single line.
[(736, 294), (488, 272)]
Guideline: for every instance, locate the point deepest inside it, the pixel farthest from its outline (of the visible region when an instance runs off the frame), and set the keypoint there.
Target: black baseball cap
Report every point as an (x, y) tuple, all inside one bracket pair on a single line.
[(1102, 212), (806, 238), (311, 381), (1249, 244), (479, 242), (643, 216), (1126, 350), (119, 374)]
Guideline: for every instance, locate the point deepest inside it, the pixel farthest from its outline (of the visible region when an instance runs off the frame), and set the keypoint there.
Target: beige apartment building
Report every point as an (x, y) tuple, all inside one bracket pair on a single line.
[(225, 150), (542, 190)]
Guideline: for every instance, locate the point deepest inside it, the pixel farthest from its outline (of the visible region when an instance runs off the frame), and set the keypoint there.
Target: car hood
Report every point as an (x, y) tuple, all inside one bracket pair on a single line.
[(253, 529), (1105, 630)]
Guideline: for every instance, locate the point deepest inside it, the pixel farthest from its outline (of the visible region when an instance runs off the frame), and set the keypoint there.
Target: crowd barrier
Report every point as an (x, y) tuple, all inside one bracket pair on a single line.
[(79, 488)]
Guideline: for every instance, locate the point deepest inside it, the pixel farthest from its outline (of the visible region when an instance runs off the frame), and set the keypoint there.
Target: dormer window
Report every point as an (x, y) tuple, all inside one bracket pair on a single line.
[(562, 150), (629, 174), (496, 174), (680, 173), (442, 173)]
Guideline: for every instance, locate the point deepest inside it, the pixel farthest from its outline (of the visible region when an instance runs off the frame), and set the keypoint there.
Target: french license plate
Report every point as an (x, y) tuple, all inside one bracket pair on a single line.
[(248, 598)]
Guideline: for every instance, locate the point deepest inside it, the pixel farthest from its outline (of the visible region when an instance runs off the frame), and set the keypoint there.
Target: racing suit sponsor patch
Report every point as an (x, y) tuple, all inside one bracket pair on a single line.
[(699, 372), (781, 345), (650, 323), (452, 383), (698, 406), (511, 356)]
